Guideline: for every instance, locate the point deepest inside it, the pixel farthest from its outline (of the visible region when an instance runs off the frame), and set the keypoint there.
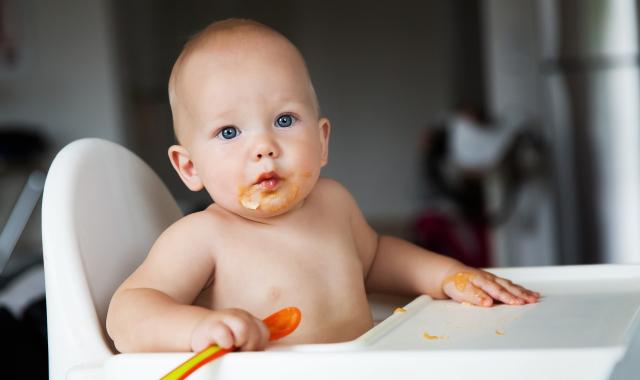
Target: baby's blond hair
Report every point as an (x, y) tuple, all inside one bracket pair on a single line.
[(219, 34)]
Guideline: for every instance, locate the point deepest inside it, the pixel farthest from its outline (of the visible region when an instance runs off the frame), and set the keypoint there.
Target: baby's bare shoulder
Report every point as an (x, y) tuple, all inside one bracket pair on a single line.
[(184, 247), (330, 190), (191, 224), (331, 187), (196, 231)]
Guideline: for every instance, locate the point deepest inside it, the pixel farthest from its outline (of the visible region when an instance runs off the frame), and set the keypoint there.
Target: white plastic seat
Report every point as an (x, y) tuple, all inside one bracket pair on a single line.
[(102, 210)]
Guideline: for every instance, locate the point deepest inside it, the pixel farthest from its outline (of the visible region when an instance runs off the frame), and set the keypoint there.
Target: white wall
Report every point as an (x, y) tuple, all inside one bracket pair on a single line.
[(514, 90), (67, 84), (383, 71)]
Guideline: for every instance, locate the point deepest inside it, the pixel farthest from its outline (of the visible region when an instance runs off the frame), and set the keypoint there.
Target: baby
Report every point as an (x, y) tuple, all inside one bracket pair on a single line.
[(247, 120)]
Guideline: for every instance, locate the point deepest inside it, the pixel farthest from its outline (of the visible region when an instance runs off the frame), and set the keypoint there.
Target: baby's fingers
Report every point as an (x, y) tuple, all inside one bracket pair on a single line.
[(496, 290), (223, 336), (218, 333), (460, 288), (519, 291), (249, 334), (477, 296)]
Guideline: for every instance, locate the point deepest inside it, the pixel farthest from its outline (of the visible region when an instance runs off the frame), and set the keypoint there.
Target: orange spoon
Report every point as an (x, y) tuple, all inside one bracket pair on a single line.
[(280, 324)]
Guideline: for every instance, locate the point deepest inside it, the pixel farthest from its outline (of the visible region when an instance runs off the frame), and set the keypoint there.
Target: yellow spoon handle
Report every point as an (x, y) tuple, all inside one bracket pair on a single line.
[(280, 324), (195, 362)]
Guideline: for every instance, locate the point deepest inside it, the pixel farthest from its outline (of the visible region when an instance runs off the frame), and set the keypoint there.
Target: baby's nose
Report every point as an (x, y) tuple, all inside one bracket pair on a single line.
[(260, 155), (266, 149)]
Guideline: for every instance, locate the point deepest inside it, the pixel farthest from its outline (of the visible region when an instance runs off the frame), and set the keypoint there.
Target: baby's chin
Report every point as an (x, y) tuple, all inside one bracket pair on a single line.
[(260, 213), (266, 214), (270, 205)]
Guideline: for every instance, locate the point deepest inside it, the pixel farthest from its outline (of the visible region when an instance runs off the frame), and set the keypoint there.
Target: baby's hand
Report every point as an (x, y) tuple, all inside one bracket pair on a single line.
[(480, 288), (230, 328)]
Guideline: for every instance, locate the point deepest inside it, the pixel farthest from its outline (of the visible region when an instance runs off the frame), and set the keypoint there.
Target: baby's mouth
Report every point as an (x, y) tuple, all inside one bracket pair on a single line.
[(268, 181), (269, 192)]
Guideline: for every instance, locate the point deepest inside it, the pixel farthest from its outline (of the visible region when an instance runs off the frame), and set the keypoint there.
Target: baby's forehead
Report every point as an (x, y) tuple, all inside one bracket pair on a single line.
[(245, 64), (269, 53), (233, 37), (244, 53), (229, 48), (237, 48)]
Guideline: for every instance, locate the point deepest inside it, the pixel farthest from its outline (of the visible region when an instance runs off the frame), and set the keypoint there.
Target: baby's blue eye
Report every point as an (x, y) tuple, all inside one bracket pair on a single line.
[(285, 121), (228, 133)]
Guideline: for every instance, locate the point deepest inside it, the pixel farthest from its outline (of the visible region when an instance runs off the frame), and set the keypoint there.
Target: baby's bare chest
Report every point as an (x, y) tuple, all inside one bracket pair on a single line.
[(261, 269)]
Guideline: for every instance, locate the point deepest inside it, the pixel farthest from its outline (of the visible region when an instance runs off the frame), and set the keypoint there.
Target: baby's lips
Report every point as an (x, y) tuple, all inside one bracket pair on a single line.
[(269, 184), (265, 176)]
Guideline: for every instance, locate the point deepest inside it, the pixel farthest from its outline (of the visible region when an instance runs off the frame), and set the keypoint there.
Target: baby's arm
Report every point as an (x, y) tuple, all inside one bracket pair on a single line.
[(152, 311), (393, 265), (399, 266)]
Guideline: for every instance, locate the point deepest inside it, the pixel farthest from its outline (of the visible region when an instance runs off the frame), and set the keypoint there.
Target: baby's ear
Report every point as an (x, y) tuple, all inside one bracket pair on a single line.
[(181, 161), (325, 132)]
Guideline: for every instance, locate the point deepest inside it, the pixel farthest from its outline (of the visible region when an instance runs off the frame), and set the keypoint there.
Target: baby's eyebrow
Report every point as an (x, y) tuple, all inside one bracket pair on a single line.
[(221, 112), (292, 103), (211, 129), (219, 118)]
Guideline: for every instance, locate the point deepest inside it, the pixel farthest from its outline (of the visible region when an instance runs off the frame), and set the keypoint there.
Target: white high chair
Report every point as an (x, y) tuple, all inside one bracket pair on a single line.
[(102, 209)]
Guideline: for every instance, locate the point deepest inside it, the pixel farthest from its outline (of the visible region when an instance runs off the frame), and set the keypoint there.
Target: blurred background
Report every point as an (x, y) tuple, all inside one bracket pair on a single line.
[(500, 132)]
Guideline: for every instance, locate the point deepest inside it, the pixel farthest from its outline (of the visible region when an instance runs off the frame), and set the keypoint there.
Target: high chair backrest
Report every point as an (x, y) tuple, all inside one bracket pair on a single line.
[(102, 209)]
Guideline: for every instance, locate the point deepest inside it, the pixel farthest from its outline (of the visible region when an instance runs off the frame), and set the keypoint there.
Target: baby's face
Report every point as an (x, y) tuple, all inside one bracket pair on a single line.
[(252, 128)]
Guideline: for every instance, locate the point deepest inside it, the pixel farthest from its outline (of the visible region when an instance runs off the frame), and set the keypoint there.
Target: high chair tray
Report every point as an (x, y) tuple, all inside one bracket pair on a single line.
[(582, 326)]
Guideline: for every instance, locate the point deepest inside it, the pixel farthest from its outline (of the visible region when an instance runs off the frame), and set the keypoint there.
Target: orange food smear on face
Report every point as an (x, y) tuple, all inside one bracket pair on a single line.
[(255, 197), (460, 280), (432, 337)]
